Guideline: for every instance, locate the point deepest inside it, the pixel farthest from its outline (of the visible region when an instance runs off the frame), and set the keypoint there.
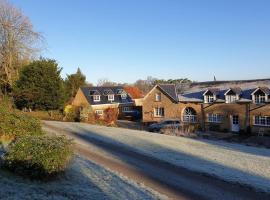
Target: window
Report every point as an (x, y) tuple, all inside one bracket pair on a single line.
[(123, 96), (158, 96), (127, 109), (235, 119), (99, 112), (259, 98), (215, 118), (159, 112), (110, 97), (209, 99), (189, 115), (262, 120), (231, 98), (96, 98)]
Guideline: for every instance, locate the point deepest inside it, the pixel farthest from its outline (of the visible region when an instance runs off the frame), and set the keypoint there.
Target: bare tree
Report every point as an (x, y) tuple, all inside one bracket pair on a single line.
[(105, 82), (18, 42)]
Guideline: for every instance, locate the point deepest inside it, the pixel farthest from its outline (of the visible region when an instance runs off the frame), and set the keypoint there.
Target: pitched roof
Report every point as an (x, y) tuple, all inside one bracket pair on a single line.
[(214, 91), (245, 95), (170, 90), (94, 92), (264, 89), (104, 92), (235, 90)]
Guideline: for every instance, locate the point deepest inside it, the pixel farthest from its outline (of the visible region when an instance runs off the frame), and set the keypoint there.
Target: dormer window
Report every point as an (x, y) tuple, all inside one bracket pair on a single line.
[(259, 98), (96, 98), (123, 96), (231, 98), (158, 97), (260, 95), (110, 97), (210, 96), (232, 95)]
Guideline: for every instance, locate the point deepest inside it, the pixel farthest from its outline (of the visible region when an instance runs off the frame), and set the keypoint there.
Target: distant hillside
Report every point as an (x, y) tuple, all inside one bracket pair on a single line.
[(196, 86)]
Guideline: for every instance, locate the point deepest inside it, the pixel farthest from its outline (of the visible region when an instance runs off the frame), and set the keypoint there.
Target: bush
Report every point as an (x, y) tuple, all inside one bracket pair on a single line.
[(72, 113), (110, 115), (14, 123), (39, 156), (51, 115)]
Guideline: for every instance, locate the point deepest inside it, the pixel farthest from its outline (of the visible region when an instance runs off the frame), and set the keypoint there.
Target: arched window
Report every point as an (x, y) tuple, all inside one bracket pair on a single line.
[(189, 115)]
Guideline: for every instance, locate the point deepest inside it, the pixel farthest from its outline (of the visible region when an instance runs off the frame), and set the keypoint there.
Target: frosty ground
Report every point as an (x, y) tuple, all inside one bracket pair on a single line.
[(235, 163), (82, 180)]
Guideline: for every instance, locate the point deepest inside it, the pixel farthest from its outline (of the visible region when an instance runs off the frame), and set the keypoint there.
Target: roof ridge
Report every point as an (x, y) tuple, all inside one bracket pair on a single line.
[(165, 84)]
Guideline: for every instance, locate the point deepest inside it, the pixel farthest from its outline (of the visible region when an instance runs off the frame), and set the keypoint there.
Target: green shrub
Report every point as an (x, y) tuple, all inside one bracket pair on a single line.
[(15, 123), (39, 156), (72, 113)]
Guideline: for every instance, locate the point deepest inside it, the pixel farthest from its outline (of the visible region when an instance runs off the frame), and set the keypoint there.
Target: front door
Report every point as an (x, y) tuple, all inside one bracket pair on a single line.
[(235, 123)]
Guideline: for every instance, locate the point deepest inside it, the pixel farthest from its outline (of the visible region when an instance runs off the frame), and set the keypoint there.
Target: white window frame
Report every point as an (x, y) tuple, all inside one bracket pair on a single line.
[(110, 97), (99, 112), (209, 99), (262, 121), (214, 117), (159, 112), (259, 99), (96, 98), (188, 116), (126, 109), (158, 97), (231, 98), (123, 96)]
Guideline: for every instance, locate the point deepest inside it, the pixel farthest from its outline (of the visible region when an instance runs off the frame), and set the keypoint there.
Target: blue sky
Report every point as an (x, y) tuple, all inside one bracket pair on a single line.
[(124, 40)]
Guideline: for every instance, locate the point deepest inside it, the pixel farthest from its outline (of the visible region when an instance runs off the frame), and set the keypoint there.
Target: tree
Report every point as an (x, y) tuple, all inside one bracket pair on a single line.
[(18, 43), (73, 82), (106, 82), (39, 86), (134, 92), (145, 85)]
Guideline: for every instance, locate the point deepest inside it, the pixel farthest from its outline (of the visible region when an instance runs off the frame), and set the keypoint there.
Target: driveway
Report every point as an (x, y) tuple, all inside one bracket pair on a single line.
[(134, 155)]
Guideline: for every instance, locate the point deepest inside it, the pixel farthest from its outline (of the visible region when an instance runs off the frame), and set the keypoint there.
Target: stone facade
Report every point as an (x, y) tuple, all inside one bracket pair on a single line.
[(244, 112), (171, 109), (259, 110), (80, 100)]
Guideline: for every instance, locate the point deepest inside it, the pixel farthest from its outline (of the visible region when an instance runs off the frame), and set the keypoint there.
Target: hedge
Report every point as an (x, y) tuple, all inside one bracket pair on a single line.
[(39, 156), (14, 123)]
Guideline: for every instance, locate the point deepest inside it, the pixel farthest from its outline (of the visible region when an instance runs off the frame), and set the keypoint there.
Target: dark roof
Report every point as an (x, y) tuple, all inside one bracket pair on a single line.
[(108, 91), (212, 83), (235, 90), (214, 91), (245, 95), (89, 92), (266, 90), (94, 92), (170, 90)]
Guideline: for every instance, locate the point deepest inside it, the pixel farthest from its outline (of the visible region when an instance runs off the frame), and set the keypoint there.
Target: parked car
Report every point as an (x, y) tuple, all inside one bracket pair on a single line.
[(164, 124)]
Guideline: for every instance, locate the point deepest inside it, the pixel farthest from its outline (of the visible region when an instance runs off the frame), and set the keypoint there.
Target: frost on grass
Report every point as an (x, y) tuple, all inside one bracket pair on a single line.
[(231, 162), (83, 180)]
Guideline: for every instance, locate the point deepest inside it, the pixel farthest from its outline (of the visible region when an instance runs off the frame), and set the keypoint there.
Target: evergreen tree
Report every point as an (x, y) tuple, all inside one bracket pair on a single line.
[(73, 82), (39, 86)]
